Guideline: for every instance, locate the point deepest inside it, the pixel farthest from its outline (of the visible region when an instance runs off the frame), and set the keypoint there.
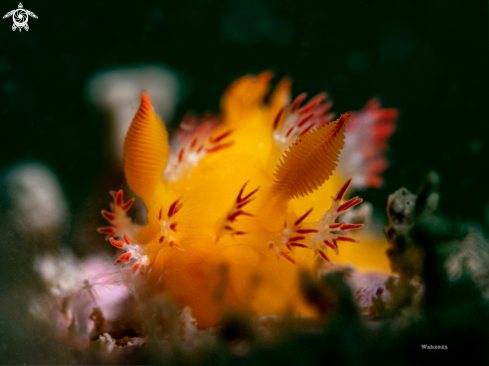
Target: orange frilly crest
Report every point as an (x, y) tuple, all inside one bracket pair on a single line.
[(237, 205)]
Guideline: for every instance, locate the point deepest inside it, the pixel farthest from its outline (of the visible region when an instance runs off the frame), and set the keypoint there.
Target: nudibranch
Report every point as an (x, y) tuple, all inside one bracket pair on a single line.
[(238, 204)]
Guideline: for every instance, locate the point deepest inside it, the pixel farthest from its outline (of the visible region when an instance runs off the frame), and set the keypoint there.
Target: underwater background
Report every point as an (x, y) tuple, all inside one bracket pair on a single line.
[(430, 60)]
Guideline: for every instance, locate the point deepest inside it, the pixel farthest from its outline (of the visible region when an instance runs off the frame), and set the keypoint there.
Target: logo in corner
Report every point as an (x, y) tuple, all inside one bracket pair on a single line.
[(20, 17)]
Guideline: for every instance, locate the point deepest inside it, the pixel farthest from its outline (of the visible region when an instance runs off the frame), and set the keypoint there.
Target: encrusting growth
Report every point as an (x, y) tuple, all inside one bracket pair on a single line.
[(241, 193)]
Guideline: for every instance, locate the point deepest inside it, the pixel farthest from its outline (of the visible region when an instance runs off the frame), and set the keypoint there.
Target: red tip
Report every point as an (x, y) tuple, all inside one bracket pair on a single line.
[(351, 226), (305, 119), (235, 214), (300, 219), (222, 136), (348, 204), (174, 208), (297, 102), (247, 199), (105, 230), (289, 131), (321, 253), (306, 231), (341, 192), (116, 243), (300, 245), (126, 239), (295, 238), (118, 199), (306, 130), (145, 101), (126, 257), (128, 204), (331, 245), (309, 106), (277, 119), (346, 238), (219, 147), (285, 255), (336, 226), (108, 215)]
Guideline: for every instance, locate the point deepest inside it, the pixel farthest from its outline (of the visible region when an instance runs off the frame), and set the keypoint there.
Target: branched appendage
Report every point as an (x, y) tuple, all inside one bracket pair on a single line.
[(122, 228), (366, 140), (120, 223), (290, 238), (169, 225), (224, 226), (329, 232), (317, 236), (133, 251), (292, 121), (193, 141)]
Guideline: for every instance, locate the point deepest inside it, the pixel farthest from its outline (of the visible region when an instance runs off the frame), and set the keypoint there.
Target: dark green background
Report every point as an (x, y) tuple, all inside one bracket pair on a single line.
[(429, 59)]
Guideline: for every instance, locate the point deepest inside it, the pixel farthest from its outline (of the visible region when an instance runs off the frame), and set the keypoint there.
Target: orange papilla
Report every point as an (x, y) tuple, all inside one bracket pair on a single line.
[(146, 151)]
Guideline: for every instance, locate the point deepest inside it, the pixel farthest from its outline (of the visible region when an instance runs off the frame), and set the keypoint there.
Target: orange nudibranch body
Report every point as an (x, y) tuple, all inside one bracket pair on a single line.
[(237, 206)]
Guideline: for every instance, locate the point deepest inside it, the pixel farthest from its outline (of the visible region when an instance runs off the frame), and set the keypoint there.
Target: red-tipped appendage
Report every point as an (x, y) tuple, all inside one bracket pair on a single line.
[(117, 216), (237, 210), (291, 122), (368, 133)]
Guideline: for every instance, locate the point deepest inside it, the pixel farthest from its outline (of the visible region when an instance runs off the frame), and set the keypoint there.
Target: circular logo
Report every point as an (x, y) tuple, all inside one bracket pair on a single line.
[(20, 17)]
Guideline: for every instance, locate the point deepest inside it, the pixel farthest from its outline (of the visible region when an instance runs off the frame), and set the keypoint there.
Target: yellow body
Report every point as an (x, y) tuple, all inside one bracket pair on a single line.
[(202, 264)]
